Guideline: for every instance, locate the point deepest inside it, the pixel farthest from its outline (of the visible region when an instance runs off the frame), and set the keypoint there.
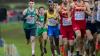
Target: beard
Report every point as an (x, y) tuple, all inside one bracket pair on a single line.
[(51, 9)]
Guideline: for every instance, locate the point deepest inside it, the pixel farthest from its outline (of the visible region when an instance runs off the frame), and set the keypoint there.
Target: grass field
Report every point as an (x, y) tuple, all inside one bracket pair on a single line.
[(13, 34)]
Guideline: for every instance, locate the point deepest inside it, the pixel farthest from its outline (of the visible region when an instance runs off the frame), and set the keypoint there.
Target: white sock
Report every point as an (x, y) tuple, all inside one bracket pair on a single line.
[(33, 47)]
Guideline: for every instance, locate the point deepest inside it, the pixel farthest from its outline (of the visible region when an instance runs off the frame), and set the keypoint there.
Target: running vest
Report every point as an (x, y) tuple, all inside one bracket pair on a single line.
[(32, 14), (79, 14), (64, 17), (30, 22), (98, 12), (52, 19), (41, 20)]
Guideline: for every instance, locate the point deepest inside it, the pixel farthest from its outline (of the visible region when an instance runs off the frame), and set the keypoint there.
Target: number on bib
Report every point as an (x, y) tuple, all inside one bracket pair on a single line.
[(31, 20), (98, 16), (66, 22), (79, 15), (53, 21)]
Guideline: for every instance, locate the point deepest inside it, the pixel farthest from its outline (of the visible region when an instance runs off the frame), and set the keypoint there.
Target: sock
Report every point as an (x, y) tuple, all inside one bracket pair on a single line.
[(72, 49), (33, 47)]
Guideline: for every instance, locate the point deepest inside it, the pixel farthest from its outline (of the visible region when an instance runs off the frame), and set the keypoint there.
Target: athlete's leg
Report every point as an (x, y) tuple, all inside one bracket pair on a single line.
[(44, 41), (51, 38), (66, 46), (89, 40), (71, 42), (27, 33), (98, 37), (78, 41), (32, 35), (71, 47), (56, 39), (33, 44)]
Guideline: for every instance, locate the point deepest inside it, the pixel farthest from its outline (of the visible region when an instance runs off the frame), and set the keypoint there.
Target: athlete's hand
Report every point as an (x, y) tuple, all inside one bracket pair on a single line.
[(46, 26), (38, 23), (92, 21), (29, 17)]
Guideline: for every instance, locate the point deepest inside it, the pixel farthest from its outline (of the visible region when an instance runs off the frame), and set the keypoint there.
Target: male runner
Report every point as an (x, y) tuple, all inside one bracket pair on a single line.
[(53, 31), (90, 28), (29, 16), (97, 10), (42, 30), (79, 24), (66, 28)]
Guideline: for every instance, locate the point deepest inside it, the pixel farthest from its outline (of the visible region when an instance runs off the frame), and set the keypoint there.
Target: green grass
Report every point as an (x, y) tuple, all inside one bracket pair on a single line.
[(1, 51), (13, 34)]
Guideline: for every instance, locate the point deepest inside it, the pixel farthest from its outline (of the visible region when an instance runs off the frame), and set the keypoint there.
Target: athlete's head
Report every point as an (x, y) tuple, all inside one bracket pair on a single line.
[(55, 4), (31, 3), (41, 10), (51, 7), (50, 2), (64, 1), (79, 0)]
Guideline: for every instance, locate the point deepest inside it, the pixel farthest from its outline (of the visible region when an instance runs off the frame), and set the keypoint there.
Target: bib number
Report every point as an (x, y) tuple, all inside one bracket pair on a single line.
[(79, 15), (30, 20), (98, 6), (52, 21), (98, 16), (66, 22)]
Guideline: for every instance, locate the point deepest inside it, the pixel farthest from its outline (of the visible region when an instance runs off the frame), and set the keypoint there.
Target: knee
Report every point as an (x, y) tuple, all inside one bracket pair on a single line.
[(78, 34), (32, 39), (71, 42)]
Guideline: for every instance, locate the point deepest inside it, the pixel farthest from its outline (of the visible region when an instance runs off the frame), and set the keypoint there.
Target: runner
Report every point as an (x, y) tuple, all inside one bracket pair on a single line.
[(53, 31), (79, 24), (66, 28), (90, 29), (41, 30), (97, 10), (30, 24)]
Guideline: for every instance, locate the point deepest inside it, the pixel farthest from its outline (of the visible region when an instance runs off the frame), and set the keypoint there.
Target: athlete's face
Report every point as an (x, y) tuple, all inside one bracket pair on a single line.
[(31, 4), (51, 7), (55, 5), (41, 10), (64, 1)]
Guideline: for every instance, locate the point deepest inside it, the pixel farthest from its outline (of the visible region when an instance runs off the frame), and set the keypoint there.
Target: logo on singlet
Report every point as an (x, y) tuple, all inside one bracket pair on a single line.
[(79, 15)]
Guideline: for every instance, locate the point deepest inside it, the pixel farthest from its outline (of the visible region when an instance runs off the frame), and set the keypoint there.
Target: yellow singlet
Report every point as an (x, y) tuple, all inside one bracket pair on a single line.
[(52, 19)]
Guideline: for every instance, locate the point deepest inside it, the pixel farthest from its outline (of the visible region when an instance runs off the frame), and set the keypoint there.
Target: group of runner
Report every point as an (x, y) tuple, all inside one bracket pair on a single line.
[(72, 24)]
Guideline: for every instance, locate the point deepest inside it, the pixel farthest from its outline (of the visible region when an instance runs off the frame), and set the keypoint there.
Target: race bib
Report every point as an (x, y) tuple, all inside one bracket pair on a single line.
[(79, 15), (99, 7), (52, 21), (98, 16), (66, 22), (30, 20)]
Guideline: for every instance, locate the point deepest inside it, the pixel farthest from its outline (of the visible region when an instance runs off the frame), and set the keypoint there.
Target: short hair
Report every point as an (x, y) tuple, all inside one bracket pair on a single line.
[(41, 7)]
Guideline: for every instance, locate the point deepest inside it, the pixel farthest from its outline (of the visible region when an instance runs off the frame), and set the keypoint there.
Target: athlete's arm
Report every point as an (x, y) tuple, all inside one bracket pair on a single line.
[(45, 18), (24, 15), (88, 11)]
